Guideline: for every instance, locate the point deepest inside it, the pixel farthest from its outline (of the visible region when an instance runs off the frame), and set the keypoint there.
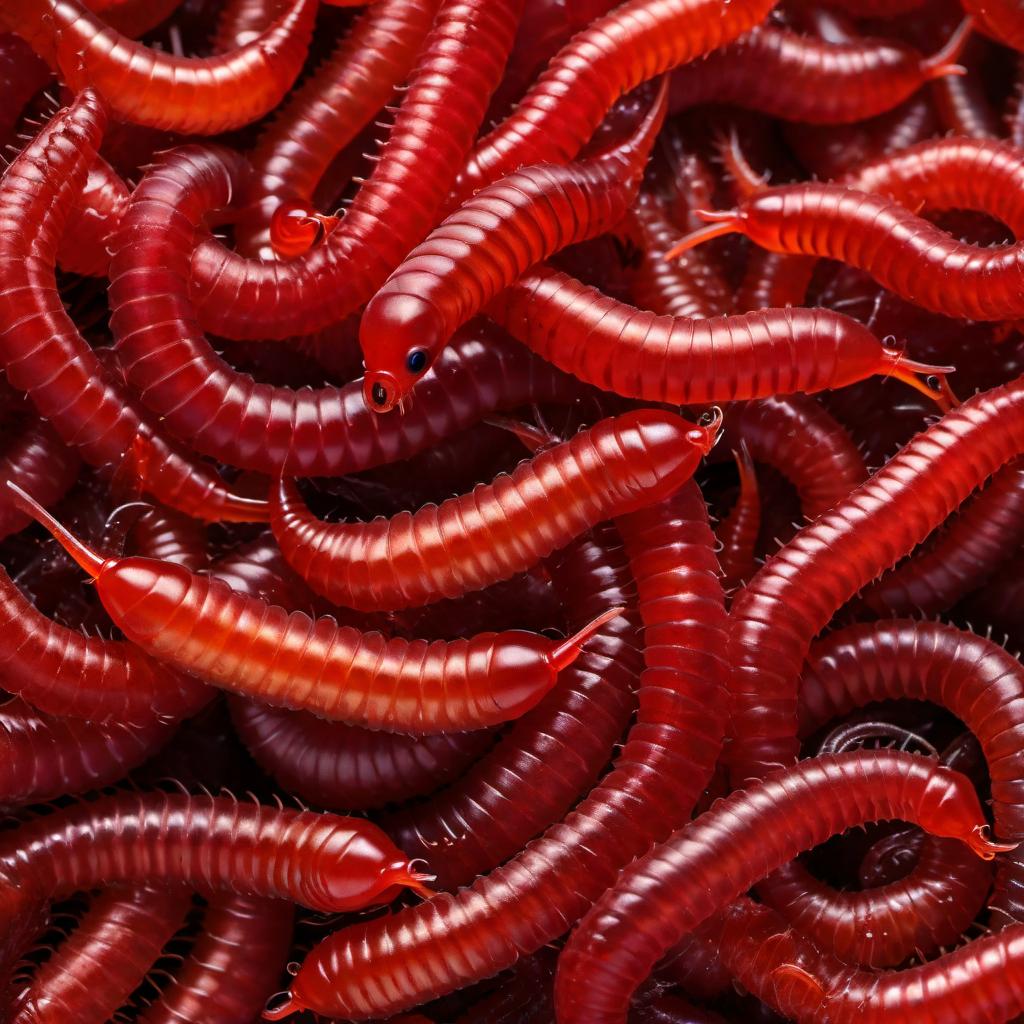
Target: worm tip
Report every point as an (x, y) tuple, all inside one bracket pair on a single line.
[(717, 223), (569, 650), (985, 847)]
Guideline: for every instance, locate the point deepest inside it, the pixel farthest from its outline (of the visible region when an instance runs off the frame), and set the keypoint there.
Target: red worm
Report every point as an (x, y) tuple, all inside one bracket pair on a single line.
[(322, 861), (335, 765), (108, 955), (784, 74), (795, 595), (710, 862), (497, 529), (961, 101), (22, 75), (1001, 19), (484, 246), (42, 757), (132, 18), (635, 42), (169, 537), (443, 106), (40, 346), (327, 112), (92, 220), (233, 966), (241, 21), (385, 966), (555, 752), (227, 414), (681, 360), (245, 645), (737, 533), (194, 95), (258, 569)]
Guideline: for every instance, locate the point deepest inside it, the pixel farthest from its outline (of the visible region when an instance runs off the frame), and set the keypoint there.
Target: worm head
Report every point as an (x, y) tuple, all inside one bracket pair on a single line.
[(706, 433), (949, 807)]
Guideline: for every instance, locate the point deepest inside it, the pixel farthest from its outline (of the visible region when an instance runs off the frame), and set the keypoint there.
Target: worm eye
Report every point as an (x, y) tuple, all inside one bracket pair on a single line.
[(380, 395), (416, 361)]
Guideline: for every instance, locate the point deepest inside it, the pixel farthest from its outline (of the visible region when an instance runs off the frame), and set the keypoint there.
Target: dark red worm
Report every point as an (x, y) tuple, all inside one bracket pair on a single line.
[(132, 18), (328, 110), (554, 753), (169, 537), (682, 360), (241, 21), (498, 529), (784, 74), (41, 348), (22, 75), (712, 861), (233, 966), (202, 96), (385, 966), (95, 215), (633, 43), (442, 108), (484, 246), (737, 533), (240, 643), (794, 596), (94, 971), (43, 757)]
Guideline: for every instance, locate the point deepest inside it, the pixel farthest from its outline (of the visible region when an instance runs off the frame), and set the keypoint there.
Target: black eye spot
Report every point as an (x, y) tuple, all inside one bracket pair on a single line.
[(379, 395), (416, 361), (706, 419)]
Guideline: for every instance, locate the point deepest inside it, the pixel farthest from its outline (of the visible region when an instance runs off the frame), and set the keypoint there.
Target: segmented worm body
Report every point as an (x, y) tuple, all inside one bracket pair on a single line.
[(554, 753), (384, 966), (784, 74), (682, 360), (241, 21), (737, 533), (498, 529), (108, 955), (444, 102), (775, 618), (43, 353), (203, 96), (707, 864), (484, 246), (233, 966), (95, 215), (170, 537)]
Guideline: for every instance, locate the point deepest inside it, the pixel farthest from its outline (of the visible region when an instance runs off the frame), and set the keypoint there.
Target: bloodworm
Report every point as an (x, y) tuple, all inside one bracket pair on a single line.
[(443, 105), (784, 74), (42, 757), (193, 95), (484, 246), (713, 860), (555, 752), (233, 966), (795, 595), (737, 533), (681, 360), (40, 346), (245, 645), (169, 537), (384, 966), (241, 21), (224, 413), (108, 955), (327, 112), (497, 529), (92, 220)]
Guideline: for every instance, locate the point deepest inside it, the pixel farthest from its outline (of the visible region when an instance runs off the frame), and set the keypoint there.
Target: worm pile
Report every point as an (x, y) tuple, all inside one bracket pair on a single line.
[(512, 511)]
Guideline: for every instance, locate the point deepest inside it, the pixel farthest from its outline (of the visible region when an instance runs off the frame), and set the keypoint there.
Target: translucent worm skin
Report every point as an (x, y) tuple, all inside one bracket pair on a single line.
[(484, 246), (202, 96), (498, 529), (341, 766), (970, 549), (322, 861), (245, 645), (384, 966), (784, 74), (555, 752), (633, 43), (710, 862), (42, 757), (795, 595), (327, 112), (94, 217), (737, 533), (40, 346), (108, 955), (442, 108), (226, 414), (974, 678), (233, 966), (681, 360)]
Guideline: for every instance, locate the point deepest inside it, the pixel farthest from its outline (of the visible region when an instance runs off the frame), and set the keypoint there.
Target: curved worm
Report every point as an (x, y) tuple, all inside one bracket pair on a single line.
[(96, 213), (737, 533), (484, 246), (713, 860), (498, 529), (169, 537)]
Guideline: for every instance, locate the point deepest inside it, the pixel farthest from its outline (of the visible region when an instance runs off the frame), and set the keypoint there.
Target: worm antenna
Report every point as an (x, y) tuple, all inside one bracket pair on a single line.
[(943, 61), (569, 650), (718, 223), (906, 370), (534, 438), (88, 559), (745, 468), (986, 848), (737, 166)]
